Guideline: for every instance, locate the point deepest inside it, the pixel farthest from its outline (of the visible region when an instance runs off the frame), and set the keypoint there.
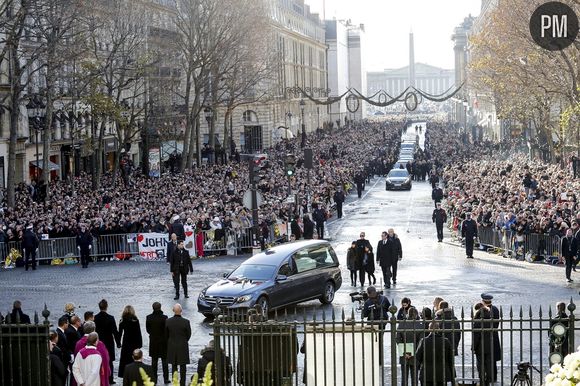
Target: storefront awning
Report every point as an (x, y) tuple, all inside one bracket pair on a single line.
[(51, 165)]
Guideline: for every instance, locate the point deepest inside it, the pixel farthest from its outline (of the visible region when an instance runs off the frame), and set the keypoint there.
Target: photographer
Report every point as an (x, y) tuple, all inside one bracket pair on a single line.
[(376, 307)]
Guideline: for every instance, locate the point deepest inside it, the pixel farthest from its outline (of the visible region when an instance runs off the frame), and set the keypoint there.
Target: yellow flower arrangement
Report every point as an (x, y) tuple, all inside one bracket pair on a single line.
[(10, 261), (207, 381)]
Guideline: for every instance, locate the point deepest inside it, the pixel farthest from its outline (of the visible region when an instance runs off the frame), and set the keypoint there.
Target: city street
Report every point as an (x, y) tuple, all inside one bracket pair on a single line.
[(428, 269)]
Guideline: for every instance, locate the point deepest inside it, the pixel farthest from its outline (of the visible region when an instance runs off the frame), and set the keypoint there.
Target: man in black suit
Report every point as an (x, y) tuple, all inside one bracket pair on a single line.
[(106, 327), (439, 218), (390, 254), (469, 232), (72, 333), (569, 252), (180, 266), (84, 245), (132, 375), (155, 326), (362, 248), (339, 200), (62, 343), (30, 244), (178, 331), (434, 357)]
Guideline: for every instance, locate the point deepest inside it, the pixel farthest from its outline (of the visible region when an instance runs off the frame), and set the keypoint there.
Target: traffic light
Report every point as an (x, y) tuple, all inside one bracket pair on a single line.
[(290, 164), (256, 165)]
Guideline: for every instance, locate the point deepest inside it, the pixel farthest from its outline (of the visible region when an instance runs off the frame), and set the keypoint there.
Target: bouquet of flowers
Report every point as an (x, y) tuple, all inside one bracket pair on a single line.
[(566, 375), (10, 261)]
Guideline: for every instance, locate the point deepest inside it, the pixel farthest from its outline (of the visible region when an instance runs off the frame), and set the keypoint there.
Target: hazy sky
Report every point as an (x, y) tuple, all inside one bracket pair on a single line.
[(388, 23)]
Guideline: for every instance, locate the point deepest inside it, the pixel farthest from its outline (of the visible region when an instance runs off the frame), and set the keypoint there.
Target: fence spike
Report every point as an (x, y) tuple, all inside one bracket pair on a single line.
[(304, 314), (8, 318), (462, 312), (550, 312), (540, 312), (323, 315), (352, 314), (500, 312), (511, 312), (46, 314), (35, 317), (333, 315), (471, 312), (571, 306), (1, 318), (343, 314), (530, 311)]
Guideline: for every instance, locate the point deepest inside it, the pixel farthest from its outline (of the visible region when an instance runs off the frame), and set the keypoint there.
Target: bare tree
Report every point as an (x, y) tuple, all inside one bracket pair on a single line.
[(14, 16), (54, 22), (115, 72)]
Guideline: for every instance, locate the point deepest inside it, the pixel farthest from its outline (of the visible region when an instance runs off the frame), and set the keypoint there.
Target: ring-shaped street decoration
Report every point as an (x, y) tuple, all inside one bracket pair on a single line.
[(383, 97), (411, 101), (352, 103), (419, 99)]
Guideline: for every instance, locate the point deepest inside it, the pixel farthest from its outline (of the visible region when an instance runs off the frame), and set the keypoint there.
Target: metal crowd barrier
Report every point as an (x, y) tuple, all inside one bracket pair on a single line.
[(124, 246), (505, 242), (512, 346)]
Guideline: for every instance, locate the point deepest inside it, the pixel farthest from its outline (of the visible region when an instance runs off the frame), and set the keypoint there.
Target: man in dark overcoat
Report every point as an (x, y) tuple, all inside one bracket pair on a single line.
[(155, 326), (178, 332), (339, 200), (106, 327), (363, 250), (84, 245), (439, 218), (388, 257), (469, 232), (180, 266), (30, 244), (434, 357)]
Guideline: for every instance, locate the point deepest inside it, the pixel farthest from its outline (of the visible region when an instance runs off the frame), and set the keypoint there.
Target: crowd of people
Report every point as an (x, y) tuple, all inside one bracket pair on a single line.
[(208, 197)]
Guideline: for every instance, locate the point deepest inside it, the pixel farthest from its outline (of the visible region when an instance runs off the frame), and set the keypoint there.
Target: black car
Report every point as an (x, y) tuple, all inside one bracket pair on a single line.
[(398, 179), (286, 274)]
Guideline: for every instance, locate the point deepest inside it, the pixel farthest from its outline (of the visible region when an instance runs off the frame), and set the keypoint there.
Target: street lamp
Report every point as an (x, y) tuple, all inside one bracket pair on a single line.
[(302, 104), (36, 111), (208, 113)]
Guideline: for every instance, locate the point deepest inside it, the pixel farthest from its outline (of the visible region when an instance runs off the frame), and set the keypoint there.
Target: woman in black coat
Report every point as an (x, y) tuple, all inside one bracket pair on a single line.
[(130, 335)]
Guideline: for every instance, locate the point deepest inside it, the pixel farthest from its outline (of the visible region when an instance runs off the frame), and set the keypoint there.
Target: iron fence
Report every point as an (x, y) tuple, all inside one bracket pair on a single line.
[(341, 349), (532, 246), (24, 352)]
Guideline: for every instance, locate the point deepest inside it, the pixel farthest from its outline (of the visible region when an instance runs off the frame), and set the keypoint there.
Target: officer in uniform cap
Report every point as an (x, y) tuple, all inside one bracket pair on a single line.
[(487, 298), (469, 232)]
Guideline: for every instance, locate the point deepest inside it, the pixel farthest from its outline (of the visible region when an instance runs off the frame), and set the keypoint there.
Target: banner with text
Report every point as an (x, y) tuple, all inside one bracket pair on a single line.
[(153, 246)]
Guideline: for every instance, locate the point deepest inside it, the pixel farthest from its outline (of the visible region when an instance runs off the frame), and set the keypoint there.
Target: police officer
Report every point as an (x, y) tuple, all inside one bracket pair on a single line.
[(437, 194), (180, 265), (376, 307), (496, 354), (439, 218), (84, 245), (339, 200), (469, 232), (30, 244)]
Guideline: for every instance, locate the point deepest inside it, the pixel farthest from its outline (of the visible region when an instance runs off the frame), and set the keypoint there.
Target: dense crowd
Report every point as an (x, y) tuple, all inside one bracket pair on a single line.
[(517, 194), (208, 197)]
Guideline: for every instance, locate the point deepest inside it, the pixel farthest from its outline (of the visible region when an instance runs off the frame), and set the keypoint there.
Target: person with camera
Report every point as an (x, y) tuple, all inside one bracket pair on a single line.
[(376, 306)]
